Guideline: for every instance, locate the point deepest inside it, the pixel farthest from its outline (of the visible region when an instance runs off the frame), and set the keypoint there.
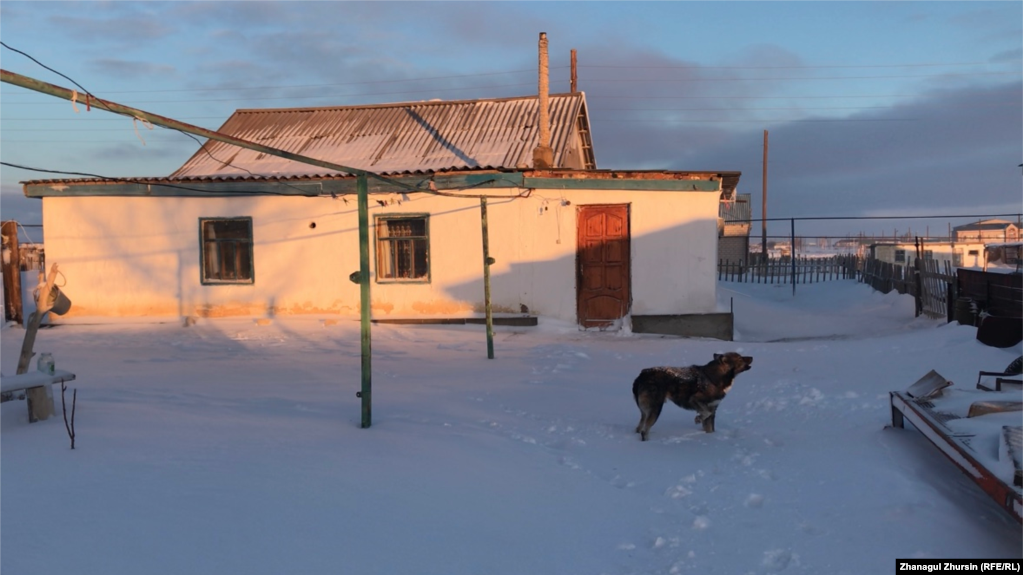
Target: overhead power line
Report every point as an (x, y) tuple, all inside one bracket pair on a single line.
[(793, 67), (317, 96), (733, 110), (562, 67), (802, 78)]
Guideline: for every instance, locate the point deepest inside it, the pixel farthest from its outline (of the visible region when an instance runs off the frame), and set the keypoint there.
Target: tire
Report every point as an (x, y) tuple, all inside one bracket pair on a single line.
[(1016, 367)]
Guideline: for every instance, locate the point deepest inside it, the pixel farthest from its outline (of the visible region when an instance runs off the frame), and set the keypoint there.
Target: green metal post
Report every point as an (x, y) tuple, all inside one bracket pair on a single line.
[(487, 260), (364, 301)]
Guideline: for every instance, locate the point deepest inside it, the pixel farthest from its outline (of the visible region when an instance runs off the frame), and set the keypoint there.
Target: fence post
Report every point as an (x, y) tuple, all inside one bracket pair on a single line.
[(12, 273), (919, 287), (793, 249)]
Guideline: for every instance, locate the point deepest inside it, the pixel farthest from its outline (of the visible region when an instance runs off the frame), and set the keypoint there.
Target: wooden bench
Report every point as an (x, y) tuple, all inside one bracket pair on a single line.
[(35, 387)]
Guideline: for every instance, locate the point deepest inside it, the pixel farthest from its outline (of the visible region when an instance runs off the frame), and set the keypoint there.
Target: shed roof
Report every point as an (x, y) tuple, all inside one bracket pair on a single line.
[(390, 139), (738, 210), (985, 225)]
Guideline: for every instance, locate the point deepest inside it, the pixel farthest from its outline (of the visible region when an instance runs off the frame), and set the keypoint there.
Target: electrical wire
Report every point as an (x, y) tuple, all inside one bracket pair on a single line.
[(148, 181), (932, 217), (304, 86), (432, 190), (799, 67), (155, 182), (334, 96), (787, 108), (562, 67), (899, 77)]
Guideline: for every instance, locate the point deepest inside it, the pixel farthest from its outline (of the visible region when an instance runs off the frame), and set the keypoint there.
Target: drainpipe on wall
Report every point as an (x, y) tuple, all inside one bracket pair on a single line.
[(543, 155)]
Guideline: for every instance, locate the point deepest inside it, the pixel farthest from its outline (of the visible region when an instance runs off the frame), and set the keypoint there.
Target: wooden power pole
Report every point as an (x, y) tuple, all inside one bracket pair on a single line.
[(12, 272), (763, 210)]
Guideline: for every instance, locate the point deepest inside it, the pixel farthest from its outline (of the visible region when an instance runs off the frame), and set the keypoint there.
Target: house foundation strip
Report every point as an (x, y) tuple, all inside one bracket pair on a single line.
[(955, 450), (712, 325)]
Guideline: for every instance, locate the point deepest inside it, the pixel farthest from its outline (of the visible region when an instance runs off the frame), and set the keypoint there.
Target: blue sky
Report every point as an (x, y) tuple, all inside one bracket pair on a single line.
[(872, 108)]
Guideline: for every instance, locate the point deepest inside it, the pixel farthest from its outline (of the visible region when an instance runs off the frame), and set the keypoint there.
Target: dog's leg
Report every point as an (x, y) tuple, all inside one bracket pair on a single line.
[(650, 415), (642, 405), (707, 418)]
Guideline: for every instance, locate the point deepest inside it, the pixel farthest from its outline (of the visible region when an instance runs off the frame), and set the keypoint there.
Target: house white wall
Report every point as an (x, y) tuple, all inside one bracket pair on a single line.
[(139, 256), (970, 254)]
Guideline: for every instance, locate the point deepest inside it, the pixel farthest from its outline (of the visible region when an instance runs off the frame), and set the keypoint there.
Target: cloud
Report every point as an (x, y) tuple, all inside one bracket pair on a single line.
[(1013, 56), (15, 206), (133, 69), (948, 151), (126, 27), (136, 160)]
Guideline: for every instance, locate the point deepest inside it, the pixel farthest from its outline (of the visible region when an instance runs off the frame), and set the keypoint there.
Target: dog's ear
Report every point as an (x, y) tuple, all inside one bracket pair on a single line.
[(718, 357)]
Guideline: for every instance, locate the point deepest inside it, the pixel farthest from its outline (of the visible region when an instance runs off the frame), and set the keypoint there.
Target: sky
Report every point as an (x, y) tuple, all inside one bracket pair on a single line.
[(233, 447), (879, 109)]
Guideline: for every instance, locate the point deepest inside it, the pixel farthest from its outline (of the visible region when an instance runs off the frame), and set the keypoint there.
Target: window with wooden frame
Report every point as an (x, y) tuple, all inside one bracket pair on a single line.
[(403, 248), (226, 254)]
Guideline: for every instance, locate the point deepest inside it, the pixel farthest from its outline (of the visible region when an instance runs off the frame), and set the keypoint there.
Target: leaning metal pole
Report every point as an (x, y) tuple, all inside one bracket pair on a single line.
[(74, 96)]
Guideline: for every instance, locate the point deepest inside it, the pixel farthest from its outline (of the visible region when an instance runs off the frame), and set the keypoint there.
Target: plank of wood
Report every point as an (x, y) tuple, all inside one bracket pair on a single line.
[(33, 379), (42, 306), (1012, 448)]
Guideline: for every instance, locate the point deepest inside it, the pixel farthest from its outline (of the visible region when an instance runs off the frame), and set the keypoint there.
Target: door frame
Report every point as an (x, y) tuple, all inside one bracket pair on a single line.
[(579, 267)]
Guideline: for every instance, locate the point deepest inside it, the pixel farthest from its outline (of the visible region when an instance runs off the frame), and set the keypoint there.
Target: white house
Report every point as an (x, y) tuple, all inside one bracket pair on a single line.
[(956, 254), (986, 231), (238, 233)]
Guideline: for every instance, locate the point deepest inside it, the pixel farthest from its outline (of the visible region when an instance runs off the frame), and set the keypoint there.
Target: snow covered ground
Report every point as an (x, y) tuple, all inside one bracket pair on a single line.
[(231, 447)]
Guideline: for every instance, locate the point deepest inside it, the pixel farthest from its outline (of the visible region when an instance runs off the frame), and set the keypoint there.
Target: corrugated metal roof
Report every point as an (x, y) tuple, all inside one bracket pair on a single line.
[(394, 138), (738, 210), (986, 225)]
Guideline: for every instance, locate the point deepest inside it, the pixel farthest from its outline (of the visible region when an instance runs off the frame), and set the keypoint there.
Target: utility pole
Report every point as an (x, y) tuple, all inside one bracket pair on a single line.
[(363, 276), (763, 210)]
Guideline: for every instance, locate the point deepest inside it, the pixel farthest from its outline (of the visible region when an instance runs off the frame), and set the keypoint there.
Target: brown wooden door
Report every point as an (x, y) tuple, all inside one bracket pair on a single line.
[(603, 279)]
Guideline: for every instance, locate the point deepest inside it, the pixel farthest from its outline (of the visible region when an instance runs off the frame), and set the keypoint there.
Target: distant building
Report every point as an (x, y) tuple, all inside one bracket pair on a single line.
[(734, 216), (986, 231), (957, 254)]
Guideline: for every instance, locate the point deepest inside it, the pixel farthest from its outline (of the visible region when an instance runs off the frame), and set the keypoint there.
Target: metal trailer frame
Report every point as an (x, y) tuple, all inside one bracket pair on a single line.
[(919, 412)]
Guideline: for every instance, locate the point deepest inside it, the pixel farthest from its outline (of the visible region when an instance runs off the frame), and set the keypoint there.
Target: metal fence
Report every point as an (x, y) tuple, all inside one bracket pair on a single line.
[(999, 294), (785, 270), (932, 284)]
